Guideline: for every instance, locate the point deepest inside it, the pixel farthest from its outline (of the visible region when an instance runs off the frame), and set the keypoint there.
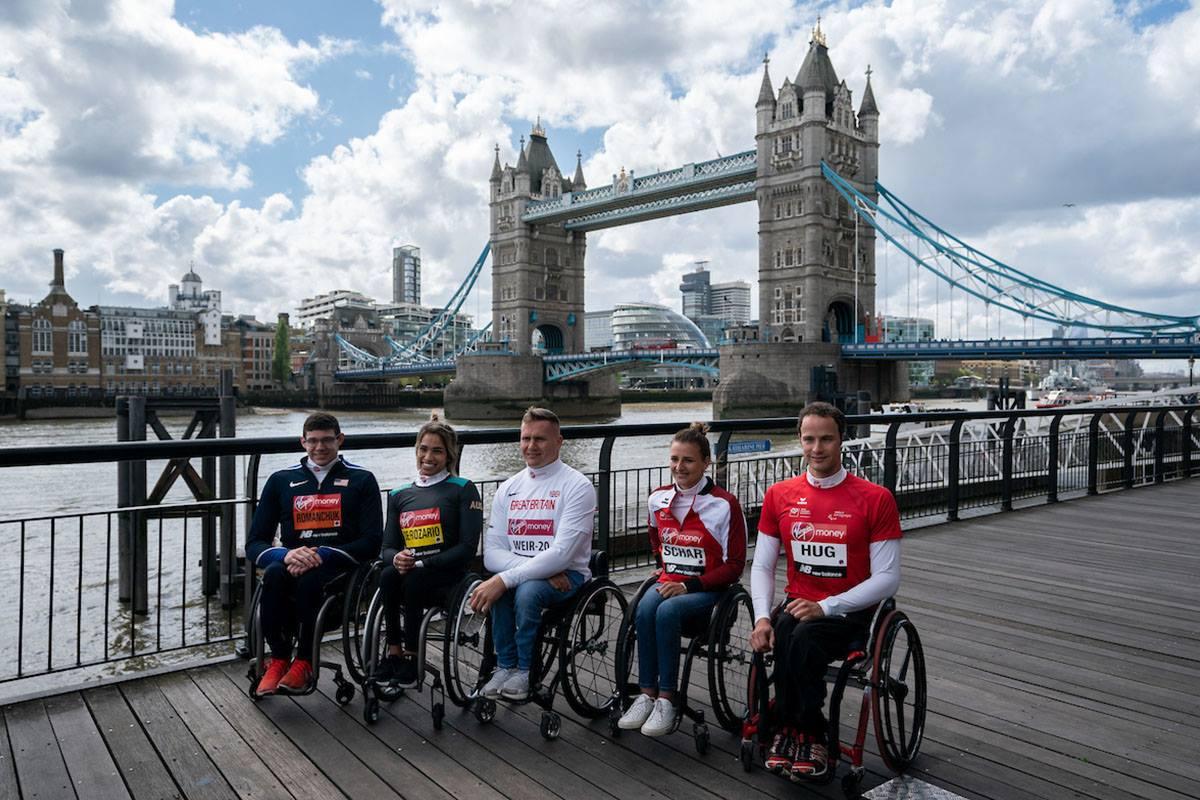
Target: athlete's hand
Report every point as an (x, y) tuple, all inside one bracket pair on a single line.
[(301, 560), (559, 582), (404, 561), (804, 610), (486, 594), (762, 638), (671, 589)]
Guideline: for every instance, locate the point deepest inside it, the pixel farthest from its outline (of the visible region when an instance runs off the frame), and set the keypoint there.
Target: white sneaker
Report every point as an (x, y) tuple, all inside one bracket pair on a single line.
[(491, 689), (661, 719), (517, 686), (637, 713)]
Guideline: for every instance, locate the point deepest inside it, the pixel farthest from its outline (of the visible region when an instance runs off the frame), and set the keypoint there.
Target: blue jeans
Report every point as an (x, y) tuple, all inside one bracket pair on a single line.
[(658, 624), (517, 615)]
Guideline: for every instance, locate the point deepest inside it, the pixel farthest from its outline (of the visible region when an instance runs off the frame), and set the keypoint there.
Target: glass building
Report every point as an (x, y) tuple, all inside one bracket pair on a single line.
[(648, 326)]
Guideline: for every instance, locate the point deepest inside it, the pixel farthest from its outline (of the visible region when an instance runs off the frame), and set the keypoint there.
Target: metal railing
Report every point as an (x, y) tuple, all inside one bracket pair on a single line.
[(67, 611)]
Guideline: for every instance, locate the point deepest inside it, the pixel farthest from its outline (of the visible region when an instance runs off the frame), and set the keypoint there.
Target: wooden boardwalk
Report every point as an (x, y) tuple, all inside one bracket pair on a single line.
[(1063, 646)]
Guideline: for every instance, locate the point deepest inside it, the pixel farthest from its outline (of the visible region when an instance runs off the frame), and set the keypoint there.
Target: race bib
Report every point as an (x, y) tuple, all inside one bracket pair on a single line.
[(819, 550), (528, 537), (316, 512), (682, 554), (422, 529)]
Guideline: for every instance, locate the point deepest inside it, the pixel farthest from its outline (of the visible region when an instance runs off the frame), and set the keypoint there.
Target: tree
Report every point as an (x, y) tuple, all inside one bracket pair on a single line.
[(281, 362)]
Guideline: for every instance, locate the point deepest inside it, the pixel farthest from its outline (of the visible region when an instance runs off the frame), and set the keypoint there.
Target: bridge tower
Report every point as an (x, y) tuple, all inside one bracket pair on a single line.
[(806, 231), (537, 270)]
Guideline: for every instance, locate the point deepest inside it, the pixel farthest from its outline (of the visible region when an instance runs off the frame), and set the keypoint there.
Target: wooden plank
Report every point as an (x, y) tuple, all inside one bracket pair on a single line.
[(238, 762), (92, 770), (338, 763), (271, 745), (143, 771), (8, 771), (193, 771), (41, 772)]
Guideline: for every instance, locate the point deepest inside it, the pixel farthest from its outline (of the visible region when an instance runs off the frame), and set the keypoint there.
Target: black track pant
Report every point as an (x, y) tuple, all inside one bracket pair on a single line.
[(290, 605), (415, 591), (803, 652)]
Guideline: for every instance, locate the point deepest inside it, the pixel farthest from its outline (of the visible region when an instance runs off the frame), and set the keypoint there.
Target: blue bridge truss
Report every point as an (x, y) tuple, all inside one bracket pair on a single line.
[(557, 368), (1146, 347)]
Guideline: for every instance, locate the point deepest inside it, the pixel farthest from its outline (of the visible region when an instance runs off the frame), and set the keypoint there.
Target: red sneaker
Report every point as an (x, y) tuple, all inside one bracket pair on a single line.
[(812, 759), (298, 677), (782, 751), (269, 682)]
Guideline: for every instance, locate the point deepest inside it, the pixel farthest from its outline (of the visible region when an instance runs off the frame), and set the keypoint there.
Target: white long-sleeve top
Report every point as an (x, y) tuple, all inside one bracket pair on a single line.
[(541, 525)]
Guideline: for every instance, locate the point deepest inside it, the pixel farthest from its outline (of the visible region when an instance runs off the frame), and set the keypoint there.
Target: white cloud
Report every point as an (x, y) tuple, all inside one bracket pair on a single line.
[(992, 116)]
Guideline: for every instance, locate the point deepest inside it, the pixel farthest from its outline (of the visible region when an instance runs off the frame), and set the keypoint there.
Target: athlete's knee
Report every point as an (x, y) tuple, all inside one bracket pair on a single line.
[(274, 575)]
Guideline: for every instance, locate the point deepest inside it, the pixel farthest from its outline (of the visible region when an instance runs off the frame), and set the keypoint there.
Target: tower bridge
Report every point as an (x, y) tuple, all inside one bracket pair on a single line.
[(813, 175)]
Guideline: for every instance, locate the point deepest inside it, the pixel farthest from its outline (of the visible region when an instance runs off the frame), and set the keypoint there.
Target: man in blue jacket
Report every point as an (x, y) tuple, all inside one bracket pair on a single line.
[(329, 518)]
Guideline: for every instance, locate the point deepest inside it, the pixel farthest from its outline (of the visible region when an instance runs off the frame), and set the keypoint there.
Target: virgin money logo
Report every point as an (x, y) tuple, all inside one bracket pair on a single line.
[(313, 502), (803, 531)]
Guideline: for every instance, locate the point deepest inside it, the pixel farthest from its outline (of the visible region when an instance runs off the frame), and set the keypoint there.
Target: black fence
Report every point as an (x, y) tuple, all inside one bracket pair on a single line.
[(126, 588)]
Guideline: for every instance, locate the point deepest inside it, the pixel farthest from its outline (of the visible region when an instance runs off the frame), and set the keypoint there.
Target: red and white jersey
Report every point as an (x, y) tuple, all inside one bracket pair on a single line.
[(707, 549), (827, 532)]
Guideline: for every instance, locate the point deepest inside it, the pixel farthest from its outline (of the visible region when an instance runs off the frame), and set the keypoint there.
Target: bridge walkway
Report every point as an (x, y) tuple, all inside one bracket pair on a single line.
[(1063, 646)]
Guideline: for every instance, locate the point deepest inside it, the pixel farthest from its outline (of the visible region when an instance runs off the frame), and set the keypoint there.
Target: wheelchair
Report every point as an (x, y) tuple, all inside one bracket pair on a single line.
[(435, 627), (346, 593), (889, 667), (575, 649), (722, 640)]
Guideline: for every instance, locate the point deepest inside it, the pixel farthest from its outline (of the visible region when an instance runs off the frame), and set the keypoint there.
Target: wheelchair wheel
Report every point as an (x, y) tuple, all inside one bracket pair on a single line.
[(898, 702), (358, 598), (465, 651), (729, 658), (627, 652), (590, 651), (373, 649), (257, 644)]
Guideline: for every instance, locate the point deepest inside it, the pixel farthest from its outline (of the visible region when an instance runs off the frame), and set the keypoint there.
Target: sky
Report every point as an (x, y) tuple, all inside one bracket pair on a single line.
[(284, 148)]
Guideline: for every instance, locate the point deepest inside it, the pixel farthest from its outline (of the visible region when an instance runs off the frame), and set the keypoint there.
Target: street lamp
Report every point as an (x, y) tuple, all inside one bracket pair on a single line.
[(1191, 367)]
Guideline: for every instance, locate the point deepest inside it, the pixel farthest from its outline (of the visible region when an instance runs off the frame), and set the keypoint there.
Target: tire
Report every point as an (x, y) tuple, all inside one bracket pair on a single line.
[(746, 754), (373, 636), (371, 710), (550, 726), (627, 649), (345, 693), (898, 700), (700, 737), (258, 647), (439, 714), (485, 709), (359, 595), (465, 656), (729, 657), (589, 652)]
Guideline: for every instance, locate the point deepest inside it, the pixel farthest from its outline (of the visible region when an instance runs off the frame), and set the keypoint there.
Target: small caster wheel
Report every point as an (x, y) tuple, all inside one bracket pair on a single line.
[(700, 737), (371, 710), (345, 693), (852, 786), (253, 694), (551, 725), (747, 754), (614, 722), (242, 651), (485, 709), (439, 714)]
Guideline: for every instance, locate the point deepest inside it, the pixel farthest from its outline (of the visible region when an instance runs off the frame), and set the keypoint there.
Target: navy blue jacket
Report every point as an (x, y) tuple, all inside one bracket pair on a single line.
[(342, 518)]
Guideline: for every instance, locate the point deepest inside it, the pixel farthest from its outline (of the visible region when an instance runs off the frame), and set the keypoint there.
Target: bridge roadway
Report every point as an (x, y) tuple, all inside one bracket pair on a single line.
[(1062, 643)]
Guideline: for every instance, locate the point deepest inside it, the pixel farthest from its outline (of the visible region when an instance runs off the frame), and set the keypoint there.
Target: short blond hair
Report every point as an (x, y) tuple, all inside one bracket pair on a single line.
[(538, 414)]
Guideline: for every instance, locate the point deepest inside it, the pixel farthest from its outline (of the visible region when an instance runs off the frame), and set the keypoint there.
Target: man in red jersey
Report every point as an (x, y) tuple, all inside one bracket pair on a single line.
[(841, 538)]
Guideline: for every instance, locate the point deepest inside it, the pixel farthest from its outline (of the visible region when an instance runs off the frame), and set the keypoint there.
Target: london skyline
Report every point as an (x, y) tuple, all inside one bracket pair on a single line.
[(285, 152)]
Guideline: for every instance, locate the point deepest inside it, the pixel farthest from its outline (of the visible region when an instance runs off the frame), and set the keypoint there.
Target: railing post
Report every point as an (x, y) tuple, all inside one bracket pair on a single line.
[(721, 459), (952, 470), (1160, 428), (1127, 446), (210, 578), (124, 494), (1006, 463), (1094, 454), (890, 467), (604, 495), (1187, 443), (1052, 466), (227, 492), (132, 562)]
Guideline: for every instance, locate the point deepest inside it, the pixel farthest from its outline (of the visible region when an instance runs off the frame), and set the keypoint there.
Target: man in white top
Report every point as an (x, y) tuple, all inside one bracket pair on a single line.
[(538, 543)]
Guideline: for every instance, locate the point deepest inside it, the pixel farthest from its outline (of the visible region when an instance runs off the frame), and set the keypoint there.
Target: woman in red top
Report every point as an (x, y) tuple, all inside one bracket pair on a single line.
[(698, 534)]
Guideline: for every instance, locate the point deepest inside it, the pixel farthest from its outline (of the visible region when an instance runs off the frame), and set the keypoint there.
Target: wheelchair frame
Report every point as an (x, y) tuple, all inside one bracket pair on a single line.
[(346, 588), (710, 642), (883, 699), (558, 635)]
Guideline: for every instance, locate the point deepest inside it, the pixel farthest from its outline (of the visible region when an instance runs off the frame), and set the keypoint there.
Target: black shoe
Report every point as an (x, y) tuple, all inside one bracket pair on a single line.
[(388, 670), (406, 672)]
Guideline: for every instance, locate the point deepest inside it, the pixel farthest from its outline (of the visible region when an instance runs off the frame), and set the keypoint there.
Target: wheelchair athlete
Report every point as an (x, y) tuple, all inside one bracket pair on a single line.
[(327, 512), (430, 537), (698, 535), (538, 543), (841, 535)]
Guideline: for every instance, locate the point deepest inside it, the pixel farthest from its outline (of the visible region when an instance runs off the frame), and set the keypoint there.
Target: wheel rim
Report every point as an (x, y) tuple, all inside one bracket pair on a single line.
[(465, 653), (374, 640), (899, 695), (729, 665), (590, 654)]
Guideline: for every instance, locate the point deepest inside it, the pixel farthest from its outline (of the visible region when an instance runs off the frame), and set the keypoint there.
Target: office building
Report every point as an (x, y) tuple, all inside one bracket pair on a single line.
[(406, 274)]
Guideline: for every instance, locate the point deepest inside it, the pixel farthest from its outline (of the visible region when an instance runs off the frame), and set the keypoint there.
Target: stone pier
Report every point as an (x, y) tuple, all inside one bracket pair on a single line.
[(501, 386)]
